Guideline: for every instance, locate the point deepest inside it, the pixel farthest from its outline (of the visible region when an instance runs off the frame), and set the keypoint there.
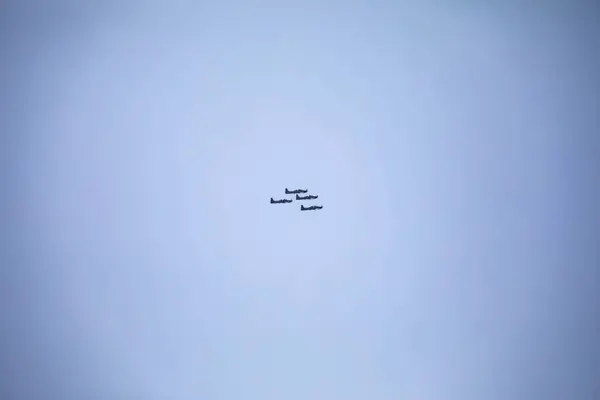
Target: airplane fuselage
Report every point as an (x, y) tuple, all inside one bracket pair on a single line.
[(295, 191), (280, 201), (309, 197), (311, 208)]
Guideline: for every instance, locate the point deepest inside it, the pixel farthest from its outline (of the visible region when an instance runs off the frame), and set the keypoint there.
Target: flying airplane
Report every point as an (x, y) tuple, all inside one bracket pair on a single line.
[(309, 197), (295, 191), (280, 201), (311, 208)]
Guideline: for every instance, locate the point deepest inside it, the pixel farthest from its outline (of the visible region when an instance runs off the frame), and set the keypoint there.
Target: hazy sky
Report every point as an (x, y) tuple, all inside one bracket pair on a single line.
[(454, 147)]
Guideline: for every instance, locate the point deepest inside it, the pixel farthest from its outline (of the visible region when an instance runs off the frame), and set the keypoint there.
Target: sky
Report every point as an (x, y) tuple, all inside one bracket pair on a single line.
[(454, 147)]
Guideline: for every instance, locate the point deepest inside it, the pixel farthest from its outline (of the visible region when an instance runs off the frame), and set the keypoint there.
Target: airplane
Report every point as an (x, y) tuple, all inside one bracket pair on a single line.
[(280, 201), (309, 197), (311, 208), (295, 191)]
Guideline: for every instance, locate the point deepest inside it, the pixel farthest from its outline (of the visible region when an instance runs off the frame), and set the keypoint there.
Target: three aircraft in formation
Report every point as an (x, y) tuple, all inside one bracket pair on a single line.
[(297, 192)]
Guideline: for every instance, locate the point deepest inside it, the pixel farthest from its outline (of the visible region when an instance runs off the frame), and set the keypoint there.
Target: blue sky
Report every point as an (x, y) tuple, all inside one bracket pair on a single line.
[(453, 147)]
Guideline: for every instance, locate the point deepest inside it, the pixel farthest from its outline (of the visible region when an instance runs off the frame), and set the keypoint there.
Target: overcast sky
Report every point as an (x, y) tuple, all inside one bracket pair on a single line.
[(454, 149)]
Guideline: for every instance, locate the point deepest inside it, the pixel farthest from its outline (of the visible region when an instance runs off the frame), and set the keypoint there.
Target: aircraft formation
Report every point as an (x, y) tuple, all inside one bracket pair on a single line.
[(298, 197)]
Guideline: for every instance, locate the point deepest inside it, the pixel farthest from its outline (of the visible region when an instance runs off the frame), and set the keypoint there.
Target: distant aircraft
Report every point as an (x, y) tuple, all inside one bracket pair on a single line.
[(295, 191), (309, 197), (311, 208), (280, 201)]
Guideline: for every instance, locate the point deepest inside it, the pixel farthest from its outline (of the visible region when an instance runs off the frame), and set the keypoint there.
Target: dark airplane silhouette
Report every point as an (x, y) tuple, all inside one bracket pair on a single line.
[(309, 197), (295, 191), (311, 208), (280, 201)]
